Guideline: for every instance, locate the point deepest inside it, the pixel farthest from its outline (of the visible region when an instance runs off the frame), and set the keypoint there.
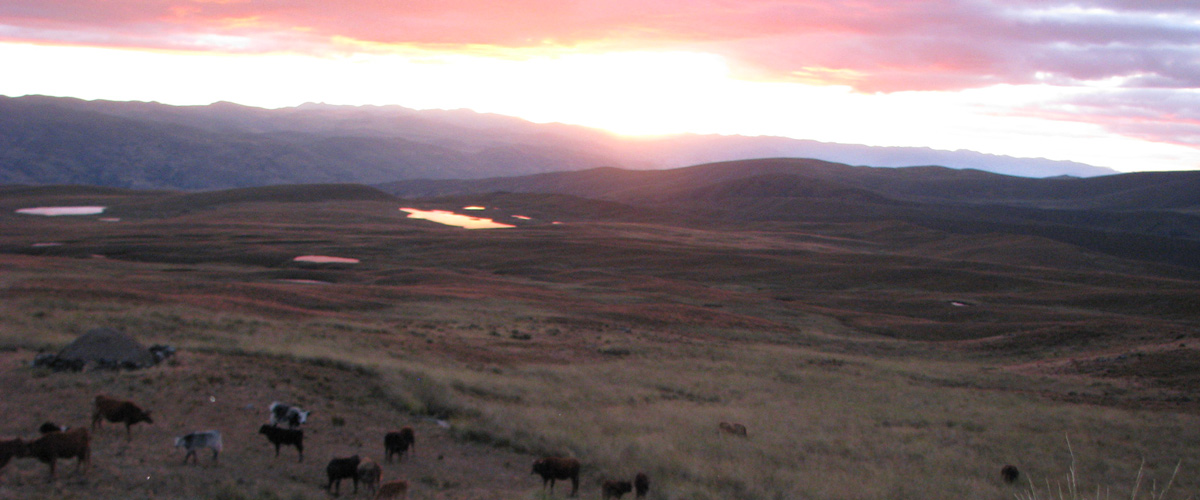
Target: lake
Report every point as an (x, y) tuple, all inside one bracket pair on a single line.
[(453, 219)]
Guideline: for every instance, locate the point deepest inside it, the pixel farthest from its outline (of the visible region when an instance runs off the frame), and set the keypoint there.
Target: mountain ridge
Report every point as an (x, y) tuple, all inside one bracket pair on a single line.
[(53, 140)]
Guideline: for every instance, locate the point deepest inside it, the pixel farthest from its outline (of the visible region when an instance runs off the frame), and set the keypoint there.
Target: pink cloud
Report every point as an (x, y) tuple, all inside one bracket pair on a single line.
[(1158, 115), (873, 45)]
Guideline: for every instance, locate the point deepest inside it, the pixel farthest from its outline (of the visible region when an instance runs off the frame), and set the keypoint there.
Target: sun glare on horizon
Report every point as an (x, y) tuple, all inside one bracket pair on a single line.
[(631, 93)]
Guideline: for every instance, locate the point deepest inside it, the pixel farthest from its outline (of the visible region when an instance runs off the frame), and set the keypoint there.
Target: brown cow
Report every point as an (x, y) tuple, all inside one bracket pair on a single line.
[(398, 442), (735, 428), (369, 473), (118, 410), (393, 489), (641, 484), (552, 468), (615, 489), (74, 443)]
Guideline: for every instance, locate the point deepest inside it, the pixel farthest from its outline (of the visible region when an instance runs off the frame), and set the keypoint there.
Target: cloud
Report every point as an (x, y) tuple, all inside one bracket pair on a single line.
[(1134, 49), (869, 44), (875, 45), (1158, 115)]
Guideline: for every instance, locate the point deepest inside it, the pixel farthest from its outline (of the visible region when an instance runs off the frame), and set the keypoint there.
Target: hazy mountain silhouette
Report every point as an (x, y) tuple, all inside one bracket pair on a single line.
[(46, 140)]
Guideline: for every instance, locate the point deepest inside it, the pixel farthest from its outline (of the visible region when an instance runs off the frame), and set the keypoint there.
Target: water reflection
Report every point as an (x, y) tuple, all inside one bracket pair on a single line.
[(305, 282), (90, 210), (325, 259), (453, 219)]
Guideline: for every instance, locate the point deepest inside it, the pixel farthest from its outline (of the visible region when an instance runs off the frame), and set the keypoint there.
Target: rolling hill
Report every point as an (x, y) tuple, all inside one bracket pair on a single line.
[(1152, 216)]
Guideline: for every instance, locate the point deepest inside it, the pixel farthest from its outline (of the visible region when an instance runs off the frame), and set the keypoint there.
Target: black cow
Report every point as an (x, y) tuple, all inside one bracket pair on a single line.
[(339, 469), (279, 436)]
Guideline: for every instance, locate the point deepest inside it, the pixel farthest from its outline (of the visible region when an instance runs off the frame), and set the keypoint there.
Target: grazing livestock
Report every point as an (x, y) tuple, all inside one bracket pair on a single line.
[(398, 442), (48, 427), (1010, 473), (10, 448), (339, 469), (552, 468), (641, 484), (74, 443), (369, 473), (734, 428), (197, 440), (392, 489), (293, 416), (615, 489), (279, 436), (119, 410)]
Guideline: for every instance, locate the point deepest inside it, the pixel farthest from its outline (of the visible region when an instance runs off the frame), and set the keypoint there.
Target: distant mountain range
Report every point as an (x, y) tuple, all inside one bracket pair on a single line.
[(47, 140)]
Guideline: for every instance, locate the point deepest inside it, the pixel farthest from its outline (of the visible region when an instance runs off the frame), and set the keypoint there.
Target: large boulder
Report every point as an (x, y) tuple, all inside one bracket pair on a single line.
[(107, 348)]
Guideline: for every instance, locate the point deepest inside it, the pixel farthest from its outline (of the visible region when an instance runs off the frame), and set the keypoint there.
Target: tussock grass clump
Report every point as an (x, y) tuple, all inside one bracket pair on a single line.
[(1069, 487)]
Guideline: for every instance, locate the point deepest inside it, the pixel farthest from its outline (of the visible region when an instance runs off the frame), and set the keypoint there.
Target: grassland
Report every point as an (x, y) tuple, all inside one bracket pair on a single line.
[(867, 360)]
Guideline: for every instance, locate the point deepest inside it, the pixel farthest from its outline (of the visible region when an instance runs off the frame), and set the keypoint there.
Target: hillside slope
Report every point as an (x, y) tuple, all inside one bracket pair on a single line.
[(1152, 216), (871, 352)]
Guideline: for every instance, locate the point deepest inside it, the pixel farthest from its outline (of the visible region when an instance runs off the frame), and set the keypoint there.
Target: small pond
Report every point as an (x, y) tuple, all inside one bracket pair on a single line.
[(304, 282), (325, 259), (54, 211)]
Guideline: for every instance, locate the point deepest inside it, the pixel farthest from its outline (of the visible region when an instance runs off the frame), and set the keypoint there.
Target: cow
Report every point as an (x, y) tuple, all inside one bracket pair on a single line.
[(339, 469), (735, 428), (398, 442), (553, 468), (615, 489), (641, 484), (74, 443), (197, 440), (10, 448), (293, 416), (392, 489), (369, 473), (1009, 473), (279, 436), (118, 410)]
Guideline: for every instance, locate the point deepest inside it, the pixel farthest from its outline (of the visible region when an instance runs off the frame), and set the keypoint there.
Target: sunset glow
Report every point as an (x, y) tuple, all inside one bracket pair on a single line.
[(1106, 82)]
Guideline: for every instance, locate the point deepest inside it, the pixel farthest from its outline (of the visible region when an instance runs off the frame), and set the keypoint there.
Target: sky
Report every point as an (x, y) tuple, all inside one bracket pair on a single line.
[(1113, 83)]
